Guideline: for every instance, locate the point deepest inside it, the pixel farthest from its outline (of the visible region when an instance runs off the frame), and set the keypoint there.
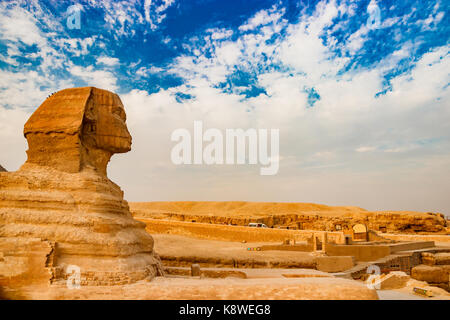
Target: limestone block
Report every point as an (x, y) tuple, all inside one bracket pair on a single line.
[(334, 264), (428, 258), (394, 280), (442, 258), (430, 274)]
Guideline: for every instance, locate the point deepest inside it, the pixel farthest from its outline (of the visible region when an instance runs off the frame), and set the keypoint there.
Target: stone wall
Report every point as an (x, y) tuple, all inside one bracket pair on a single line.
[(360, 252), (303, 247), (407, 237), (232, 233)]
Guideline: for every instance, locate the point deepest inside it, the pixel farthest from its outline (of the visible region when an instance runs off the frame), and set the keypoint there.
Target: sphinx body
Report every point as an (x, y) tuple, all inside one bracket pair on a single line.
[(60, 210)]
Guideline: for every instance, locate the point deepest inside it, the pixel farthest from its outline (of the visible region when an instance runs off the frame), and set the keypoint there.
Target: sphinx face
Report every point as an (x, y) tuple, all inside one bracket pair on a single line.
[(105, 127), (112, 132)]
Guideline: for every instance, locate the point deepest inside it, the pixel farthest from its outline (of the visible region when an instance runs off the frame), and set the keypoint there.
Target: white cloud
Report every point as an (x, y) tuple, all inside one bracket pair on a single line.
[(109, 61), (12, 141), (77, 46), (262, 18), (365, 149), (97, 78), (154, 14), (217, 34), (17, 24), (18, 27)]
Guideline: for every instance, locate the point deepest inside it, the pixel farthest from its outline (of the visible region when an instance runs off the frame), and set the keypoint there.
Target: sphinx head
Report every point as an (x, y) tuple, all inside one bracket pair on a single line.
[(104, 123), (77, 128)]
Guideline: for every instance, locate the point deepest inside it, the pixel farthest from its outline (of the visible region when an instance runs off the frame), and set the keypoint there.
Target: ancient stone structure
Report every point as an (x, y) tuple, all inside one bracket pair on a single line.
[(435, 269), (60, 211), (2, 169), (359, 232)]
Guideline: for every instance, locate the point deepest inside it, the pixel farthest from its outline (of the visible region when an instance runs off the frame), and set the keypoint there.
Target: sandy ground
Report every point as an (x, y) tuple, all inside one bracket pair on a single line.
[(407, 293), (188, 249), (263, 284), (181, 288), (398, 295), (260, 283)]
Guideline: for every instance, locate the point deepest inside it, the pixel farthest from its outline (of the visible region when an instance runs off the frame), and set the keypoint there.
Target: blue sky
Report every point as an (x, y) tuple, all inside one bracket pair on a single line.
[(362, 107), (147, 37)]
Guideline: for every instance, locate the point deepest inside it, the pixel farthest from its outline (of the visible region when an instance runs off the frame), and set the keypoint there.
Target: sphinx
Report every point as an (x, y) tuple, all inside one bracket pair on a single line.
[(60, 209)]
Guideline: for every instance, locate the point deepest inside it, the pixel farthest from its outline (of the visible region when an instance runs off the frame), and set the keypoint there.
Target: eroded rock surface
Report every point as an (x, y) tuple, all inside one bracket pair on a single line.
[(61, 209), (437, 275)]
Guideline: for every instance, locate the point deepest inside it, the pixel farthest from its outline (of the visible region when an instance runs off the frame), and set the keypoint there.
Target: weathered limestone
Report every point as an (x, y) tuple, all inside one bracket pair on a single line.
[(442, 258), (393, 280), (62, 201), (431, 259), (435, 275), (24, 261), (334, 264)]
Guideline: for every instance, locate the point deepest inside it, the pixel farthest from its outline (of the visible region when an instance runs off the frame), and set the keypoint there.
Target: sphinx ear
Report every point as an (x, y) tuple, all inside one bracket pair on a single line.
[(89, 125)]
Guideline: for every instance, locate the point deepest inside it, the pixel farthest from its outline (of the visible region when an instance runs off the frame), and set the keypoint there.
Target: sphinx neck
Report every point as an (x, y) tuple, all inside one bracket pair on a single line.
[(97, 159), (65, 153)]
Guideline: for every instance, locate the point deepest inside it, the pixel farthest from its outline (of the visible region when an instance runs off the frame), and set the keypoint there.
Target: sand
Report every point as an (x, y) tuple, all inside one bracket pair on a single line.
[(191, 250), (181, 288)]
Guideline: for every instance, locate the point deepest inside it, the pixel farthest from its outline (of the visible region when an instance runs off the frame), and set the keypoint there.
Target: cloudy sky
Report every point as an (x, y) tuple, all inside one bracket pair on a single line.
[(358, 89)]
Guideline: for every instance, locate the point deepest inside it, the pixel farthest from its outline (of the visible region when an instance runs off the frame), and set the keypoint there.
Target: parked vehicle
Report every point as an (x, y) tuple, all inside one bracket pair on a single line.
[(257, 225)]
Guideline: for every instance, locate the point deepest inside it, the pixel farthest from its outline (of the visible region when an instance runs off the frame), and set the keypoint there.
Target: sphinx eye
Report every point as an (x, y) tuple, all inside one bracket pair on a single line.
[(119, 112)]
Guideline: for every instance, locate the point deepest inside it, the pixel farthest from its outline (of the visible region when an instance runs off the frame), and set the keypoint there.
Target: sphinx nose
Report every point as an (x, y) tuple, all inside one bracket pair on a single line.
[(129, 138)]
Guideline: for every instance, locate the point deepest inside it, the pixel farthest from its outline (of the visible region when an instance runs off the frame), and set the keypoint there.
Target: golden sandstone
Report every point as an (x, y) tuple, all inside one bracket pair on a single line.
[(60, 210)]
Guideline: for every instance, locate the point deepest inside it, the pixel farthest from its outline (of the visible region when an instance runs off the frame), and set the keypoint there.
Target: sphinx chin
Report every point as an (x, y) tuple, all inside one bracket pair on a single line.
[(60, 210)]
